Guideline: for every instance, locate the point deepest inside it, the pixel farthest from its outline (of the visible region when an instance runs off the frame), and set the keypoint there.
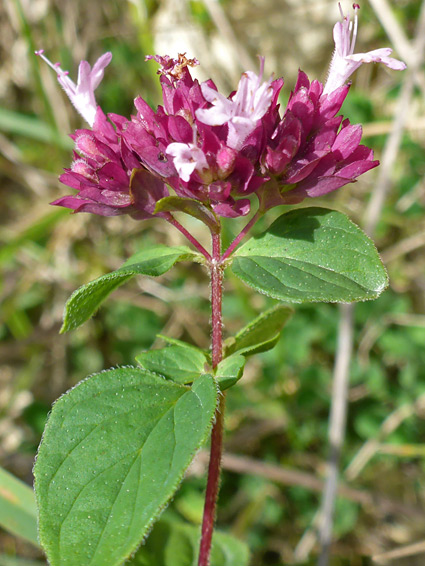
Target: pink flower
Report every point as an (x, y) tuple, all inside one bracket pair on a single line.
[(213, 149), (190, 156), (187, 158), (82, 94), (242, 111), (345, 61)]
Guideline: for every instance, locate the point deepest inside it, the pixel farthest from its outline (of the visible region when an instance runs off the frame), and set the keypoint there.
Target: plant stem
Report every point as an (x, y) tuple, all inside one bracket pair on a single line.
[(214, 467), (189, 236), (211, 494), (241, 235), (216, 271)]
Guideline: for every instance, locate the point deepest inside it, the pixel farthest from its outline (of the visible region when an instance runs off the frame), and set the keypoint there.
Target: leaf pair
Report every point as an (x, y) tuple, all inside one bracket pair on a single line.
[(116, 446), (306, 255), (184, 363)]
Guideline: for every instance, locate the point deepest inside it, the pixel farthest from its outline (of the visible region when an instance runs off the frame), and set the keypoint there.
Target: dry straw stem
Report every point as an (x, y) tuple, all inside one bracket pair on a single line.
[(225, 30), (337, 422), (300, 478), (412, 54), (373, 330), (372, 446), (403, 552), (403, 247), (324, 518), (386, 127)]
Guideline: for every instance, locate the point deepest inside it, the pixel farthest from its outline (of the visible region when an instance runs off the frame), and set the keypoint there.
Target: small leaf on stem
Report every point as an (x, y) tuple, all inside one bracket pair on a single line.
[(178, 363), (261, 334), (172, 543), (229, 371)]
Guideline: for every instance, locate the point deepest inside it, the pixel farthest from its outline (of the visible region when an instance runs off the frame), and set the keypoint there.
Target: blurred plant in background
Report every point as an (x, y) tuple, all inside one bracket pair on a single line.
[(277, 418)]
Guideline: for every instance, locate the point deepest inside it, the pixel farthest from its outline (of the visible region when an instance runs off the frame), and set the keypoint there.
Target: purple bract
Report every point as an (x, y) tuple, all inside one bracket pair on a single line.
[(217, 150)]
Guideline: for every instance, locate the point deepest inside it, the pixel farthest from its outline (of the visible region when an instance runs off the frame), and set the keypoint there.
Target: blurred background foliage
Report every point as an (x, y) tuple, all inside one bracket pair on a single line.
[(276, 442)]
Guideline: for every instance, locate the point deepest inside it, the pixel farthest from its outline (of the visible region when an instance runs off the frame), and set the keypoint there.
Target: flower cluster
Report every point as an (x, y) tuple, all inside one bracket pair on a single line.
[(213, 149)]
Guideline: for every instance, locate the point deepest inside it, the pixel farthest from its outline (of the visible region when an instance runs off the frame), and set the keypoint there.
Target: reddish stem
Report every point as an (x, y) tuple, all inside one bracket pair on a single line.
[(189, 236), (216, 271), (214, 467), (241, 235)]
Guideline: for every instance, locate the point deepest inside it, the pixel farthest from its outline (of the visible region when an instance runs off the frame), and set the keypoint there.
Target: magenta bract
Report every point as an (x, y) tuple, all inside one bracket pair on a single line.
[(218, 150), (312, 151)]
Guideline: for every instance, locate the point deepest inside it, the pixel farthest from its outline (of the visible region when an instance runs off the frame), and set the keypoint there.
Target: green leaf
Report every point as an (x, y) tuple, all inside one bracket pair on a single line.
[(151, 552), (18, 512), (31, 127), (310, 255), (155, 261), (183, 548), (6, 560), (189, 206), (261, 334), (41, 227), (175, 544), (176, 342), (229, 371), (113, 453), (182, 364)]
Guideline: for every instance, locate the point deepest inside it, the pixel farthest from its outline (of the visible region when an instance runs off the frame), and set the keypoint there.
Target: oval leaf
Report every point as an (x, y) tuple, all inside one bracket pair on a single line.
[(229, 371), (261, 334), (155, 261), (179, 363), (310, 255), (176, 342), (113, 453)]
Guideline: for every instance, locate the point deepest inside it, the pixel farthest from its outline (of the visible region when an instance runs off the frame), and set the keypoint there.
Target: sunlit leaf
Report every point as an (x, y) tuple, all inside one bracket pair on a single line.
[(312, 254), (113, 453)]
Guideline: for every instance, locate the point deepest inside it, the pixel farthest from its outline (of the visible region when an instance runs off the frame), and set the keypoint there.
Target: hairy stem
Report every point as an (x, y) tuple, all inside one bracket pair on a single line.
[(214, 467), (211, 494), (216, 272), (189, 236)]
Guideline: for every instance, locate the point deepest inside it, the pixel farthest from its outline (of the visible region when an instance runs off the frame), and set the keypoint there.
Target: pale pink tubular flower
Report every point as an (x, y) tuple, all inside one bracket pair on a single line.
[(187, 158), (345, 61), (82, 94), (243, 111)]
